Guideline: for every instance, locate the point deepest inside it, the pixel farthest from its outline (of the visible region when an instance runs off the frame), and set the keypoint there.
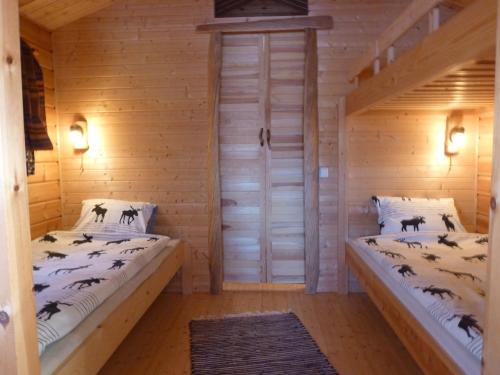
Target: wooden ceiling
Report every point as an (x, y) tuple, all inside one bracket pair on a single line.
[(470, 86), (52, 14)]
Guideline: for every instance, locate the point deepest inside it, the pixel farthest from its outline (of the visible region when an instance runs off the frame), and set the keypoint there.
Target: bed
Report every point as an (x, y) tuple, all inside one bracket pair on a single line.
[(430, 287), (90, 290)]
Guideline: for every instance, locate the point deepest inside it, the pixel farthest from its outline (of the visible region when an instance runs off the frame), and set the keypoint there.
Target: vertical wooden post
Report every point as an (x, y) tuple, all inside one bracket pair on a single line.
[(491, 346), (342, 273), (376, 62), (214, 202), (18, 336), (266, 190), (434, 20), (311, 162), (356, 81), (376, 66), (391, 55)]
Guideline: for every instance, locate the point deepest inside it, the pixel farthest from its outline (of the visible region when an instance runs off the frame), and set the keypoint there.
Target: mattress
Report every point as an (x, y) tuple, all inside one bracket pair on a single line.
[(440, 282), (73, 273), (56, 353)]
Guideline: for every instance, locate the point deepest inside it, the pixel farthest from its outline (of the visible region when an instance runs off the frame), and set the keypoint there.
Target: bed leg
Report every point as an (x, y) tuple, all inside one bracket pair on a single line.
[(187, 278)]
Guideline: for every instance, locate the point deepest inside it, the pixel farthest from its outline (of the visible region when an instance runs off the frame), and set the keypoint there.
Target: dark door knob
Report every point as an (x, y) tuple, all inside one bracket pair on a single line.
[(493, 203), (261, 138)]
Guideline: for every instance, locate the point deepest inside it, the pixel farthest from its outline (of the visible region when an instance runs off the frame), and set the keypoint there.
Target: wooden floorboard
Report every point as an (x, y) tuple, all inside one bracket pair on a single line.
[(349, 330)]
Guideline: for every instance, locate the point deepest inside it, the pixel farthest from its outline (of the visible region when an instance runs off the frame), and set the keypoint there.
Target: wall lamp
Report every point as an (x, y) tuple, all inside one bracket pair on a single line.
[(79, 136), (455, 134)]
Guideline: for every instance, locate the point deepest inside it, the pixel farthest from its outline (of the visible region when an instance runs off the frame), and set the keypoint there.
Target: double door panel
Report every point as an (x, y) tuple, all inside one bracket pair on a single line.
[(262, 157)]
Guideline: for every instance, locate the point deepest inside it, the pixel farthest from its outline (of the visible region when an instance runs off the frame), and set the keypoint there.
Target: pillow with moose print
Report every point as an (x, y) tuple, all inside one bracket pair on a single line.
[(114, 216), (402, 214)]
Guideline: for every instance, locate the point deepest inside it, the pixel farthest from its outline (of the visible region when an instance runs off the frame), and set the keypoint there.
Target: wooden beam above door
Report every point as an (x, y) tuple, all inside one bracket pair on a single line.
[(274, 25)]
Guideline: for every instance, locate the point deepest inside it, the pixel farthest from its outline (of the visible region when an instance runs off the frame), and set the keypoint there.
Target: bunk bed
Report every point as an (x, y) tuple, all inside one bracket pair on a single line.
[(441, 72)]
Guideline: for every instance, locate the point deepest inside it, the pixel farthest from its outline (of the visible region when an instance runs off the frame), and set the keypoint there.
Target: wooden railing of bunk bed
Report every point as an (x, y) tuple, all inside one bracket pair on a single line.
[(468, 37)]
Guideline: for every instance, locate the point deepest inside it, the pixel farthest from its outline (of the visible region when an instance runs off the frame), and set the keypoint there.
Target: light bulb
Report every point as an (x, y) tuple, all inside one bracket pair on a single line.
[(457, 138), (77, 137)]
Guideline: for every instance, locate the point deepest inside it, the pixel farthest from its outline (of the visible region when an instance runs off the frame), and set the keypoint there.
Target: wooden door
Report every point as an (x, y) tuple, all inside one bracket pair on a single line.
[(261, 157), (242, 158), (285, 169)]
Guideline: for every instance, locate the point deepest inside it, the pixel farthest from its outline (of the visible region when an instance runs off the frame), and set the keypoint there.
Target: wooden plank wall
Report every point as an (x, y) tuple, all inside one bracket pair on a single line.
[(484, 169), (402, 154), (139, 66), (44, 186)]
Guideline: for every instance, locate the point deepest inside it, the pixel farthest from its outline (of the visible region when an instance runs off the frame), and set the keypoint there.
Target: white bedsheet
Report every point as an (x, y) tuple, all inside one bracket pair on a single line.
[(74, 274), (440, 282), (57, 353)]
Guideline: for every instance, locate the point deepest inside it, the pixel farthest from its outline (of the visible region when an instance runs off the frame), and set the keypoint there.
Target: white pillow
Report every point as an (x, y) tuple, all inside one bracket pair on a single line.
[(402, 214), (114, 216)]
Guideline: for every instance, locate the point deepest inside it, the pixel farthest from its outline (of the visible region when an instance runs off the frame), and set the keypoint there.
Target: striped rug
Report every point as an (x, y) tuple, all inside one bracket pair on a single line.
[(267, 344)]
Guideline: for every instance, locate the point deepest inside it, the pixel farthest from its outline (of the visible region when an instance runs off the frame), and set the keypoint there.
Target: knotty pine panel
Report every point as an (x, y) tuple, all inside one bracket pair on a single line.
[(44, 186), (402, 154), (138, 69)]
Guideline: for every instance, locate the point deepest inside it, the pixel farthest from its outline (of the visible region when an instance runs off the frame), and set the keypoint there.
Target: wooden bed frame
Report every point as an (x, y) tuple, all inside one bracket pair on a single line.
[(424, 349), (98, 347)]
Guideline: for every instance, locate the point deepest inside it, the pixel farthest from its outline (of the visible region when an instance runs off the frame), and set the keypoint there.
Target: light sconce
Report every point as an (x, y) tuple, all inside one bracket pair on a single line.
[(79, 136), (455, 134)]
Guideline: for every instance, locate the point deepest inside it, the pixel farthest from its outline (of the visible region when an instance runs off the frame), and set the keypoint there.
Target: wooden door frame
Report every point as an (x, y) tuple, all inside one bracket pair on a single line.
[(491, 345), (311, 140), (18, 335)]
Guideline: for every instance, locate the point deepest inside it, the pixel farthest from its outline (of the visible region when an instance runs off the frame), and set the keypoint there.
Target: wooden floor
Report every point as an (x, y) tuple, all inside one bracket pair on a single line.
[(349, 330)]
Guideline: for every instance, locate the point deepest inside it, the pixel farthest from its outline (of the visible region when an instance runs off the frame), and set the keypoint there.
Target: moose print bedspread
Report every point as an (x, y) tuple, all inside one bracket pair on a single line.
[(444, 272), (75, 272)]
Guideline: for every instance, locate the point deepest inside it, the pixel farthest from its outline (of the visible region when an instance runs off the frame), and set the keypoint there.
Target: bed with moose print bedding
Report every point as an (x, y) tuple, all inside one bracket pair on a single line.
[(75, 272), (440, 277)]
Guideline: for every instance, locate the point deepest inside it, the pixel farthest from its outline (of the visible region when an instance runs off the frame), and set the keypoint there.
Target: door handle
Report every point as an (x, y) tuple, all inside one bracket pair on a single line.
[(268, 136), (261, 133)]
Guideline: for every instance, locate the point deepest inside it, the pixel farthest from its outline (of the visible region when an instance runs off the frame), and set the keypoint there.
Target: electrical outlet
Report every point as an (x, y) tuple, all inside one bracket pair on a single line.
[(323, 172)]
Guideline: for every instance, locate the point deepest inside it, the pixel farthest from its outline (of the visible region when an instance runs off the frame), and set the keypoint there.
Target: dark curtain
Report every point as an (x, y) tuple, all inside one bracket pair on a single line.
[(35, 128)]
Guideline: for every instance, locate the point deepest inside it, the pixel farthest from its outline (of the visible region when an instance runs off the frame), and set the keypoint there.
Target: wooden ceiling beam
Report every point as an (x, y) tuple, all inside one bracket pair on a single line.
[(466, 37), (280, 24)]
